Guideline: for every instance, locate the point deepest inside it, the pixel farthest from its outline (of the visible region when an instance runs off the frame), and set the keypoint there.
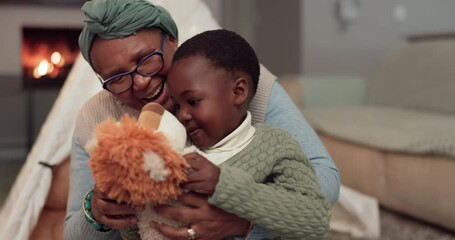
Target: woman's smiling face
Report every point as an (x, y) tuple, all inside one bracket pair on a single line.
[(111, 57)]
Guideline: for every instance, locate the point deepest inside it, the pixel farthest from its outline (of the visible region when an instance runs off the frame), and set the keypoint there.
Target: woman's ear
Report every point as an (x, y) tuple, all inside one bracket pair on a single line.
[(173, 43), (241, 90)]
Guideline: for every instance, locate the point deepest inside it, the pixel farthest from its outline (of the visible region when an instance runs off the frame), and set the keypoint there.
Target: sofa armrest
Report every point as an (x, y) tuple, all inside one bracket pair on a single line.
[(333, 90)]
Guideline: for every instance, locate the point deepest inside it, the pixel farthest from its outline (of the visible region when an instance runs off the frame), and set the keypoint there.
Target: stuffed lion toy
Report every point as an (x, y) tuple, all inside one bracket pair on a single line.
[(140, 163)]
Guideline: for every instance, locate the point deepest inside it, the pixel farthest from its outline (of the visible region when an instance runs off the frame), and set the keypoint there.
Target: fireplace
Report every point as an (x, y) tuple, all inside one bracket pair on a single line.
[(47, 55)]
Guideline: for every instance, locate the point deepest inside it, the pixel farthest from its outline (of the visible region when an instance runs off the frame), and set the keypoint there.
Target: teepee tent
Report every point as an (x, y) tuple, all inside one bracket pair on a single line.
[(28, 194)]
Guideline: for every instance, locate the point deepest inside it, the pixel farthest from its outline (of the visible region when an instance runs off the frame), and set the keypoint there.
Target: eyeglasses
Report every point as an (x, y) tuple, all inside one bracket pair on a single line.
[(148, 66)]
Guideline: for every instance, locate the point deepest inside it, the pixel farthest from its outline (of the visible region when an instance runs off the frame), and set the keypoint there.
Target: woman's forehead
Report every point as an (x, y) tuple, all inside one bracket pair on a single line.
[(123, 50)]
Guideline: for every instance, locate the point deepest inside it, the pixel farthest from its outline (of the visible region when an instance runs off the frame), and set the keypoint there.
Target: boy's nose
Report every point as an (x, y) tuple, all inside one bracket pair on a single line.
[(183, 115)]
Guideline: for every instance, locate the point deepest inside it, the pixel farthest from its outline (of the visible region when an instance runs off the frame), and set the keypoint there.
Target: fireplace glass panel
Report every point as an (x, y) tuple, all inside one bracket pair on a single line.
[(48, 55)]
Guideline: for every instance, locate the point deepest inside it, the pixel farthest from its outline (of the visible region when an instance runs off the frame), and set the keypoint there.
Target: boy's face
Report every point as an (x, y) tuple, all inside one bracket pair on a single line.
[(206, 98)]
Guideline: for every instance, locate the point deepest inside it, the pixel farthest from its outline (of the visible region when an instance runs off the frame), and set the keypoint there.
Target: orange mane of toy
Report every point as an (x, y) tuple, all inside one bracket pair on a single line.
[(134, 164)]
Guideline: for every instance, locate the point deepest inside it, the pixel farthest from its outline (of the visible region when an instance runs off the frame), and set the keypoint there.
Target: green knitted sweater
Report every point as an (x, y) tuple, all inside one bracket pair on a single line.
[(272, 184)]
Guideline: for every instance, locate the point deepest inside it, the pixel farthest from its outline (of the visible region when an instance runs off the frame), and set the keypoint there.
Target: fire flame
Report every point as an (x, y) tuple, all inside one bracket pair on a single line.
[(57, 59), (48, 54), (49, 68)]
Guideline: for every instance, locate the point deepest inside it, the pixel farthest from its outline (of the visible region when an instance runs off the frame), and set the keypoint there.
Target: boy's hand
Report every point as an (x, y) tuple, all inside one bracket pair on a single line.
[(203, 175)]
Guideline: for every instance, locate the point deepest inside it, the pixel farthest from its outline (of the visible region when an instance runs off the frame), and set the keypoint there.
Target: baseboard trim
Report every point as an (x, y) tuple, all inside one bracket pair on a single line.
[(13, 150)]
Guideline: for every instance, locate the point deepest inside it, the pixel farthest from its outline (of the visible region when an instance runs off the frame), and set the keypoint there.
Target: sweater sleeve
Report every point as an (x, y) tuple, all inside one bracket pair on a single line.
[(76, 227), (282, 113), (288, 200)]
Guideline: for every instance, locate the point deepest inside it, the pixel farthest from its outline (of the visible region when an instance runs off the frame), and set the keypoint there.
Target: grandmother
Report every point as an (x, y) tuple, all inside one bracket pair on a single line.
[(130, 45)]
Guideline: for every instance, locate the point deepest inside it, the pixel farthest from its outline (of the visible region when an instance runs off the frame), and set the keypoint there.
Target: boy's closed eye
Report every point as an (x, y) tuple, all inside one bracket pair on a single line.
[(193, 102), (176, 107)]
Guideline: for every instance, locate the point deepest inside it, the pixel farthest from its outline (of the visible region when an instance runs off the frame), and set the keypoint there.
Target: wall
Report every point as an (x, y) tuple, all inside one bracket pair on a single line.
[(307, 32), (379, 27), (216, 8), (13, 17), (277, 38), (24, 112), (272, 29)]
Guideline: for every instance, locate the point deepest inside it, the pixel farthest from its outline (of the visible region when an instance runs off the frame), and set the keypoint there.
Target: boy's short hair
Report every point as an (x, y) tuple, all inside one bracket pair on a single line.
[(225, 49)]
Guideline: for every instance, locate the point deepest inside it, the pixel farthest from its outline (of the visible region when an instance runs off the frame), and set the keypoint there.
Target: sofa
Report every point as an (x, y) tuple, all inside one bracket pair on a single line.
[(392, 132)]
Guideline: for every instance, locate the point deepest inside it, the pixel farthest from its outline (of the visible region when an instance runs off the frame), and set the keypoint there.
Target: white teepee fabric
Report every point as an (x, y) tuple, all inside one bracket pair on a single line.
[(28, 194), (356, 214), (21, 210)]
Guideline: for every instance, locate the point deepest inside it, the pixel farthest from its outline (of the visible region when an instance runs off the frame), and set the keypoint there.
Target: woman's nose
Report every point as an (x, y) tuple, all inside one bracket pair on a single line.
[(140, 82)]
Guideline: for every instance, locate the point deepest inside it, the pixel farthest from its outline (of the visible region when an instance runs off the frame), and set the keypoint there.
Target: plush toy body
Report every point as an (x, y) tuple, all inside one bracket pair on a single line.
[(140, 162)]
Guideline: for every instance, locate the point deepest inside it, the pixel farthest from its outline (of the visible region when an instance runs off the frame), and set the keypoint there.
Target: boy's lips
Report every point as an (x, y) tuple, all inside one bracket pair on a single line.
[(193, 131)]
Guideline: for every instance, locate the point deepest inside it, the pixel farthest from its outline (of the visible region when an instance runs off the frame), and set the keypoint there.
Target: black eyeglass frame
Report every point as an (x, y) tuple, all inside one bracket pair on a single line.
[(135, 70)]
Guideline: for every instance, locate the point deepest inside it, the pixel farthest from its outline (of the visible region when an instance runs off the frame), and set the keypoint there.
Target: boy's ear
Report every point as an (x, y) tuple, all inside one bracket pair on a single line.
[(240, 90)]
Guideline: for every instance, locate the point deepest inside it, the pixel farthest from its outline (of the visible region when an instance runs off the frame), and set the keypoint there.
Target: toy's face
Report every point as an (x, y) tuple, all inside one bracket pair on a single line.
[(152, 163), (205, 100)]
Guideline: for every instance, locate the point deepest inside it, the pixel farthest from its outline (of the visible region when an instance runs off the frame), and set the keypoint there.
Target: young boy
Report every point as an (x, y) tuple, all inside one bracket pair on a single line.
[(256, 172)]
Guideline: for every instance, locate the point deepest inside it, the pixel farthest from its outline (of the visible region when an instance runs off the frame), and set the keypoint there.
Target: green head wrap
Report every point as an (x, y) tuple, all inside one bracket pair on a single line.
[(110, 19)]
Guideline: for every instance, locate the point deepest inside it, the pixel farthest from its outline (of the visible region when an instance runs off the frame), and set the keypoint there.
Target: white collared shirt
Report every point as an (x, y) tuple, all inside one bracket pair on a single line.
[(230, 145)]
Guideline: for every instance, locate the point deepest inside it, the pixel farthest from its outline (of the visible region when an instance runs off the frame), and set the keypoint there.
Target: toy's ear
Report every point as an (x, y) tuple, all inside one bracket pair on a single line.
[(155, 116), (151, 115), (174, 131)]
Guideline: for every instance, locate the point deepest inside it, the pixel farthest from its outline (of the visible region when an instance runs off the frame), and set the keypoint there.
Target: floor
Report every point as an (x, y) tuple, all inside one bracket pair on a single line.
[(398, 227), (393, 226)]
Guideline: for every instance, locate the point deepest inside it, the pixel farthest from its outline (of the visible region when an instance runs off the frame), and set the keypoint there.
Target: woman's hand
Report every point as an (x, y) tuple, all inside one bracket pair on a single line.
[(112, 214), (203, 176), (207, 221)]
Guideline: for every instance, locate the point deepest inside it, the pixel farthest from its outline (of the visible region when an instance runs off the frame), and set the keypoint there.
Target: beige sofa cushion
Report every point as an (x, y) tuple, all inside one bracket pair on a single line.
[(417, 75), (388, 128), (417, 185)]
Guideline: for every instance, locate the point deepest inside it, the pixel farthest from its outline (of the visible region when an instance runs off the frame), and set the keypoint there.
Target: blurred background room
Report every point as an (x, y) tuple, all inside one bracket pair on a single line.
[(374, 78)]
